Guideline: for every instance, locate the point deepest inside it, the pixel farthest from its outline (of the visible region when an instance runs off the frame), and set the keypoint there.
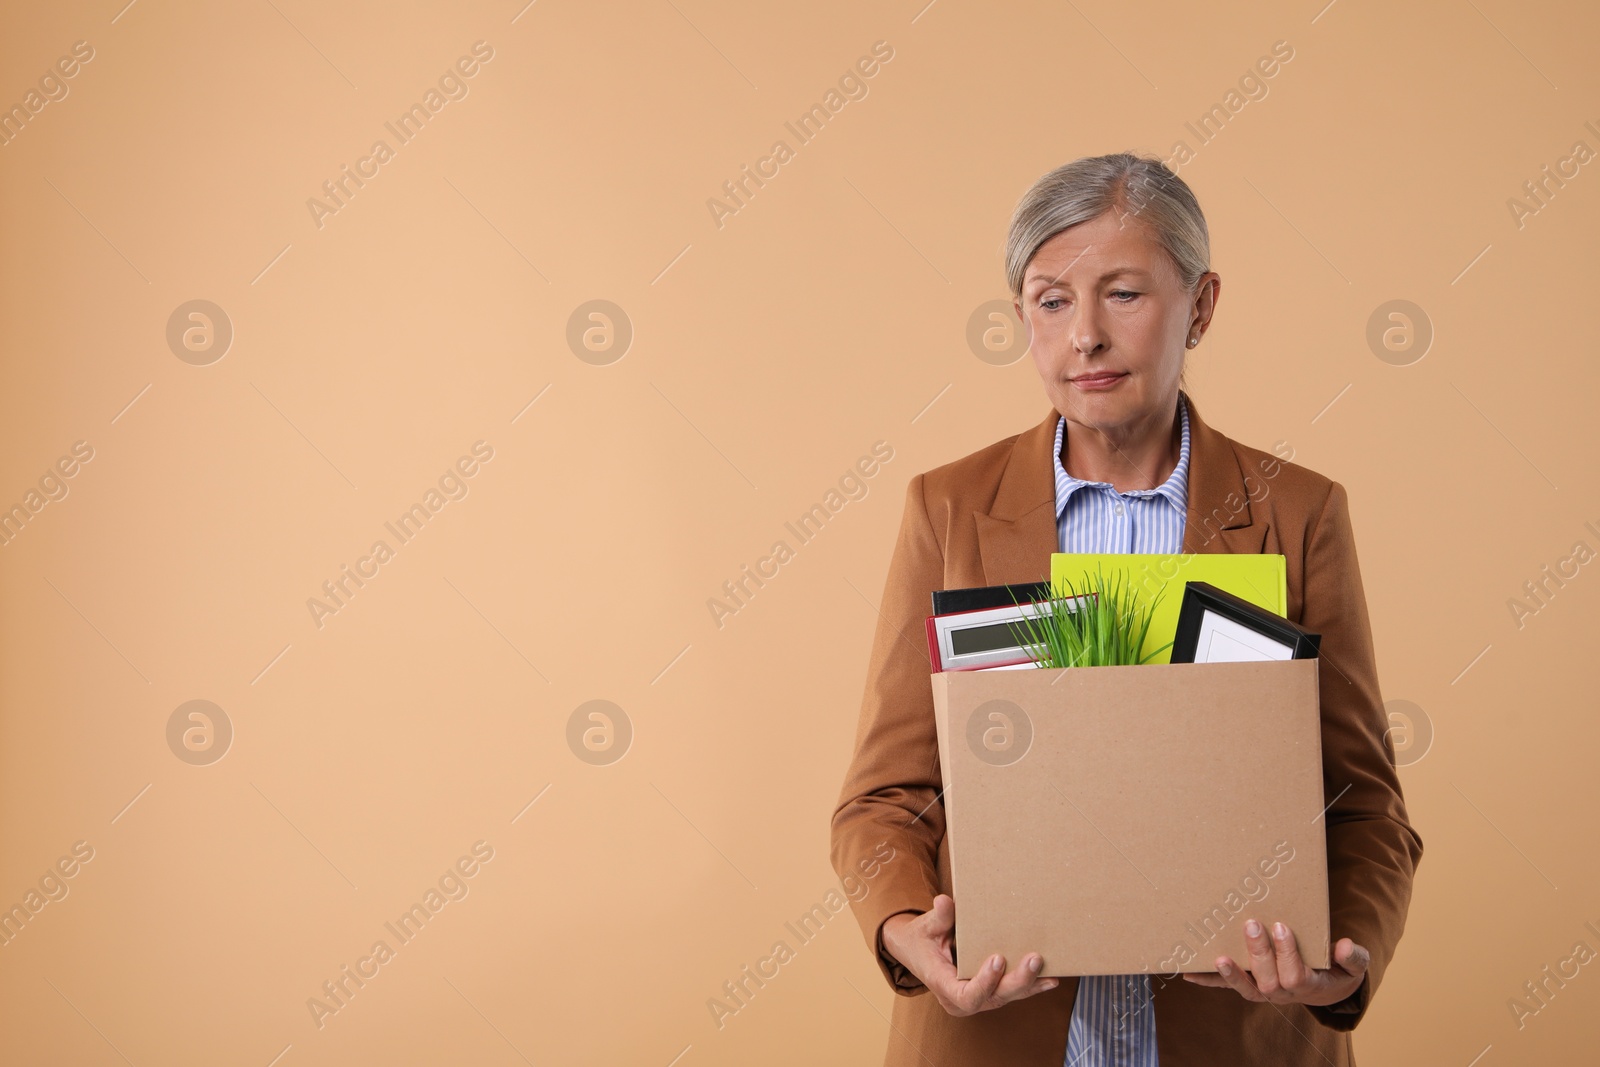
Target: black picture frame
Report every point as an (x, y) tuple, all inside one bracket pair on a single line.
[(1203, 598), (953, 601)]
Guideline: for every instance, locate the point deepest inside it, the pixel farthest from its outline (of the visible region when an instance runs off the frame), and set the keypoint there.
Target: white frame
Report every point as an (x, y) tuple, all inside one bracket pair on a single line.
[(945, 627)]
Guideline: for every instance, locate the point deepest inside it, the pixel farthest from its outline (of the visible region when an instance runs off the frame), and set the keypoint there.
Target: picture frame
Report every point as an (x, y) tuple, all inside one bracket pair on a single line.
[(974, 629), (1215, 626), (984, 639)]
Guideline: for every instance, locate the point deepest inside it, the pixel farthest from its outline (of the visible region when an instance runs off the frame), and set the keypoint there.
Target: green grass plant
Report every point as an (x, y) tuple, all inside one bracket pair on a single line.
[(1098, 624)]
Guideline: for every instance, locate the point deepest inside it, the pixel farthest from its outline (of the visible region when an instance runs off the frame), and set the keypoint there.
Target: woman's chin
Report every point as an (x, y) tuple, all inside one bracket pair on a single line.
[(1114, 406)]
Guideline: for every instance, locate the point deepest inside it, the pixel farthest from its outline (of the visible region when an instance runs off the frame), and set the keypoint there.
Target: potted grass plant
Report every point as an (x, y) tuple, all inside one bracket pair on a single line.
[(1101, 624)]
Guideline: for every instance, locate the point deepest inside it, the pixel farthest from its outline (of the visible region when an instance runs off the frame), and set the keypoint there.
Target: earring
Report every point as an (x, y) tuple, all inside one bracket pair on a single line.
[(1193, 341)]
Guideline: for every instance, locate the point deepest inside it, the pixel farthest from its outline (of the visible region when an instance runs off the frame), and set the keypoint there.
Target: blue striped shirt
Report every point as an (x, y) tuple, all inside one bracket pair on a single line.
[(1113, 1024)]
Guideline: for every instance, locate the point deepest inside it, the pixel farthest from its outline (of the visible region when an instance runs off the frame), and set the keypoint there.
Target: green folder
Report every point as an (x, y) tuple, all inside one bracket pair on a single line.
[(1260, 579)]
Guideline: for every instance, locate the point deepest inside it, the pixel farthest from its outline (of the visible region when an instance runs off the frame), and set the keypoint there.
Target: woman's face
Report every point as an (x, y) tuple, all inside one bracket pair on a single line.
[(1108, 323)]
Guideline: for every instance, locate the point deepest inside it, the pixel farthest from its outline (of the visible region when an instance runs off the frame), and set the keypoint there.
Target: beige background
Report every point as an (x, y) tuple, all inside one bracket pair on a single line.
[(829, 313)]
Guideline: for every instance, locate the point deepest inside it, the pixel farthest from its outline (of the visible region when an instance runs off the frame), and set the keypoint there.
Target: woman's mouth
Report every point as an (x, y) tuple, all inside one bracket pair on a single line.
[(1098, 381)]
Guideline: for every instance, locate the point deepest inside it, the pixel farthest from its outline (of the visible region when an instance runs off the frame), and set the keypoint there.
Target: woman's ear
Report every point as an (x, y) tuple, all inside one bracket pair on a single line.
[(1207, 290)]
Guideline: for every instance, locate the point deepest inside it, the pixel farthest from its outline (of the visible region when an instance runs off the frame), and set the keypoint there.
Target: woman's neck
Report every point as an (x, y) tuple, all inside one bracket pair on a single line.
[(1141, 458)]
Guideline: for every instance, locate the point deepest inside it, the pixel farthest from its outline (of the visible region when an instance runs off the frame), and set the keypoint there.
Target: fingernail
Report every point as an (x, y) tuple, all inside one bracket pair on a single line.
[(996, 963), (1224, 969), (1035, 965), (1252, 928), (1280, 931)]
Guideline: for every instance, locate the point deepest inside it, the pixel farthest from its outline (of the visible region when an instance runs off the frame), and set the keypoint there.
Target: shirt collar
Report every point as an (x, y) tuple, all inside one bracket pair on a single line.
[(1175, 488)]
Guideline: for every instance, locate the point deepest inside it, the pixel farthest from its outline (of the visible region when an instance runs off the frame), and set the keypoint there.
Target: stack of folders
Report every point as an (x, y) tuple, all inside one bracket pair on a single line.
[(973, 629), (1211, 608)]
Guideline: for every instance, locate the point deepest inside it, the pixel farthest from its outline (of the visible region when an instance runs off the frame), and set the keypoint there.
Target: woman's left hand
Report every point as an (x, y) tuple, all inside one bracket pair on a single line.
[(1278, 974)]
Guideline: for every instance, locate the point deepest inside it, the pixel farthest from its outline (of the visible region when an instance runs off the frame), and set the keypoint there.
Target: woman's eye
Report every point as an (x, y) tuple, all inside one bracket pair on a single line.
[(1124, 293), (1046, 304)]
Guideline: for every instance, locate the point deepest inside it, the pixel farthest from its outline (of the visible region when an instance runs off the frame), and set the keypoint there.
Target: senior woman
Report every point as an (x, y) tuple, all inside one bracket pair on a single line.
[(1108, 262)]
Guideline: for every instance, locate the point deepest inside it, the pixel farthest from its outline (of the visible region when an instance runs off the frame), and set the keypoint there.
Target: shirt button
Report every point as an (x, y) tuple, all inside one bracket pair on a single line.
[(1118, 509)]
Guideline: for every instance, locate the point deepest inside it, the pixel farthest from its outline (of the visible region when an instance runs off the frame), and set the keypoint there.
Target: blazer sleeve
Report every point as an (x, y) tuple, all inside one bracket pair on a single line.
[(1373, 851), (892, 789)]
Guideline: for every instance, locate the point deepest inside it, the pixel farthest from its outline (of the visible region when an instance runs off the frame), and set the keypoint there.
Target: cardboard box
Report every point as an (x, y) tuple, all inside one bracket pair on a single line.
[(1120, 820)]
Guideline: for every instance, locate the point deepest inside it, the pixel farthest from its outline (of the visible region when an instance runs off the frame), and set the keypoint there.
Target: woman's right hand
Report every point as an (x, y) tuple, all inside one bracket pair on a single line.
[(924, 944)]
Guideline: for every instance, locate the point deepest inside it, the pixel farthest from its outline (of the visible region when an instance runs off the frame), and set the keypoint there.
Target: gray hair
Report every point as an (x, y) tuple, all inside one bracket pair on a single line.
[(1139, 186)]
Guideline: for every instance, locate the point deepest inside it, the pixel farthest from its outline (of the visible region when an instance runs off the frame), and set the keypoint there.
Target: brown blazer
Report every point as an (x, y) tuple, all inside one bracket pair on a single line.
[(989, 518)]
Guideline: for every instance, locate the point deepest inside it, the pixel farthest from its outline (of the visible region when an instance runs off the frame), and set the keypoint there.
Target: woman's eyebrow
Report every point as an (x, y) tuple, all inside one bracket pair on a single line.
[(1035, 279)]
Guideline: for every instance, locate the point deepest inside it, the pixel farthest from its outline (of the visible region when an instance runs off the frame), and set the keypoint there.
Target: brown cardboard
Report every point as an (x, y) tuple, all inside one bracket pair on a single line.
[(1120, 820)]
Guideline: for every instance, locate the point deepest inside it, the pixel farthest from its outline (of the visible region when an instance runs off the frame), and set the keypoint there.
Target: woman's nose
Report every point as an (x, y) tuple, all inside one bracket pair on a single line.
[(1087, 335)]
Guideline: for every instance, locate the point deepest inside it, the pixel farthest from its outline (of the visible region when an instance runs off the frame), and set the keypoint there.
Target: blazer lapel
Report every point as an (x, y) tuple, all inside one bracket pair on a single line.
[(1017, 535), (1219, 518)]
